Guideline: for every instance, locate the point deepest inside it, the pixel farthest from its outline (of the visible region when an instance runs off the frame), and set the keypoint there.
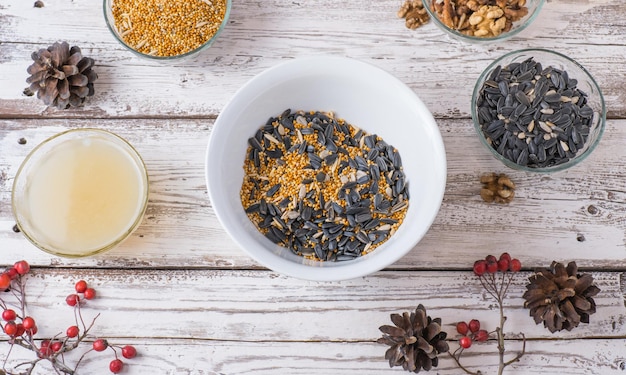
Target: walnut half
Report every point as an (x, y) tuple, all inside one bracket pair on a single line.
[(497, 188)]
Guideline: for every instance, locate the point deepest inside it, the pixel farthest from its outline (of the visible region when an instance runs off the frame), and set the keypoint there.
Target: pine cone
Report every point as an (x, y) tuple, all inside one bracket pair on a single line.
[(415, 340), (61, 76), (560, 297)]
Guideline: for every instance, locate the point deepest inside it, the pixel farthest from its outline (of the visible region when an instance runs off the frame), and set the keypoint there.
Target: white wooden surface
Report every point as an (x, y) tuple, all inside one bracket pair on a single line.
[(193, 303)]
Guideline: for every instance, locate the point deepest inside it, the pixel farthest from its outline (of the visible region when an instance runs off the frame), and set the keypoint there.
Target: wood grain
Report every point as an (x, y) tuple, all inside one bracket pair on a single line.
[(194, 303), (576, 214), (197, 357), (236, 322), (442, 71)]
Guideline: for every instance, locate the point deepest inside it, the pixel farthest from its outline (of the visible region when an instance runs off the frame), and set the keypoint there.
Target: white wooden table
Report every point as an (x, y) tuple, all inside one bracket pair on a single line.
[(192, 302)]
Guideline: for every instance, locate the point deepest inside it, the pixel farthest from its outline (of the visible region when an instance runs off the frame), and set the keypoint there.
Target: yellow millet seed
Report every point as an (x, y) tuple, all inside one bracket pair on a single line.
[(167, 27)]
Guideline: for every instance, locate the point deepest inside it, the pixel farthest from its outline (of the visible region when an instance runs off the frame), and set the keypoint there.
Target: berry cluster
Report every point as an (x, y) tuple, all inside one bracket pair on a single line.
[(495, 275), (81, 288), (471, 332), (491, 264), (22, 328)]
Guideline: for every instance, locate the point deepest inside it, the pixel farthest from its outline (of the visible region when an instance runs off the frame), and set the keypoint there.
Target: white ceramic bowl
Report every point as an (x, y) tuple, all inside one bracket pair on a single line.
[(366, 97)]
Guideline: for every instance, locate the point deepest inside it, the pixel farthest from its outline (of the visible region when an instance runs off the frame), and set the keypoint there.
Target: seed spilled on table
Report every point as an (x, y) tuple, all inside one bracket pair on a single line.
[(534, 116), (321, 187)]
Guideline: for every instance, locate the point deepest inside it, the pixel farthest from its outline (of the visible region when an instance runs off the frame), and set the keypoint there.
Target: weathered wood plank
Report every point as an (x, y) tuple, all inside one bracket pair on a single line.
[(234, 322), (264, 306), (548, 219), (442, 71), (197, 357)]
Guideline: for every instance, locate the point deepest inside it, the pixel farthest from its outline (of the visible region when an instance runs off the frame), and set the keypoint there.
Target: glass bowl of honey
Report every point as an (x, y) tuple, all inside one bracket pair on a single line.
[(80, 192)]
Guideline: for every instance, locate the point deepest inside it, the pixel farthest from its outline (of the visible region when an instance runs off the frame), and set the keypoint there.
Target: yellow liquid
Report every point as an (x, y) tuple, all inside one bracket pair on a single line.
[(85, 194)]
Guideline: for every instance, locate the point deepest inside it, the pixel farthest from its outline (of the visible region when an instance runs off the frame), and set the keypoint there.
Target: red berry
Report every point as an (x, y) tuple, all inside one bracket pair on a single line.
[(22, 267), (32, 331), (28, 323), (474, 325), (465, 342), (100, 344), (56, 346), (72, 299), (45, 351), (72, 331), (492, 267), (81, 286), (480, 267), (45, 343), (505, 256), (503, 265), (481, 335), (129, 351), (116, 366), (20, 330), (516, 265), (462, 328), (5, 281), (12, 272), (491, 258), (90, 293), (10, 328), (9, 314)]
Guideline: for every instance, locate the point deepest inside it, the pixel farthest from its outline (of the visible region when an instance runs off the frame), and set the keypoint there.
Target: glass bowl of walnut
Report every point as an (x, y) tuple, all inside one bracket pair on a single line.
[(483, 20)]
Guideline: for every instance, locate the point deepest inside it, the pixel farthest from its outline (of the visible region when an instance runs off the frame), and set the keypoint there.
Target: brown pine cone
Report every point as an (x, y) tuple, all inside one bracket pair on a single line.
[(415, 340), (61, 76), (560, 297)]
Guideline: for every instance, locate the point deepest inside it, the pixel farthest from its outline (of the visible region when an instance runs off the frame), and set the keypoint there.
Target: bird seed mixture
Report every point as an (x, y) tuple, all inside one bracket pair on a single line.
[(321, 187), (167, 27)]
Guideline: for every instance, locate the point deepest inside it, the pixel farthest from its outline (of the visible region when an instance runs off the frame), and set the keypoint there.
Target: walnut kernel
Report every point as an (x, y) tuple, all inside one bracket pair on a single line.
[(414, 13), (497, 188), (480, 18)]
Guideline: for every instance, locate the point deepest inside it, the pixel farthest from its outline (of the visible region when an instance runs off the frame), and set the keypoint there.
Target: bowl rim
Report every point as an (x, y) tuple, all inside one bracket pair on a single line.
[(128, 148), (111, 26), (336, 271), (478, 40), (556, 168)]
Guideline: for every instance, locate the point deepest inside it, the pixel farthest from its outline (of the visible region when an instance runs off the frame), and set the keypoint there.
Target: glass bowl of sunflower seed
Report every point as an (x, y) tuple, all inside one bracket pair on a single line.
[(480, 21), (325, 168), (538, 110), (166, 30)]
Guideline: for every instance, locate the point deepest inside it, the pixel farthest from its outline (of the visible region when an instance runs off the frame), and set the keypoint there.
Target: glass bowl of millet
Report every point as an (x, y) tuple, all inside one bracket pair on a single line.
[(538, 111), (166, 30), (480, 21)]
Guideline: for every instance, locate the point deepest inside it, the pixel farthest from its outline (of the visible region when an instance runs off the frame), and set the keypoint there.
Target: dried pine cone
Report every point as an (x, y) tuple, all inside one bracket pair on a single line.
[(61, 76), (560, 297), (415, 340)]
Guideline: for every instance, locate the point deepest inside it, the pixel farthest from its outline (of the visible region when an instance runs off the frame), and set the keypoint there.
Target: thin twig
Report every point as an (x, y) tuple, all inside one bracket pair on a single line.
[(519, 355), (458, 363)]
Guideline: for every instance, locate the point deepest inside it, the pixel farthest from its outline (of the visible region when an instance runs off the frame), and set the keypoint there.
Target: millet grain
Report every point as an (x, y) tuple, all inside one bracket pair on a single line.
[(167, 27)]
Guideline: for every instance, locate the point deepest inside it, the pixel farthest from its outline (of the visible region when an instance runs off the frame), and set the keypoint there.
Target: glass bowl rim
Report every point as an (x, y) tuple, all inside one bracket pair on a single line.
[(474, 39), (128, 148), (111, 26), (601, 121)]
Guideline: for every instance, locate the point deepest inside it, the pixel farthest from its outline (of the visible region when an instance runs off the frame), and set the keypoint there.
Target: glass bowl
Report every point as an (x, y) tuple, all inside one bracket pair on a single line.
[(551, 118), (533, 6), (115, 30), (80, 192)]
